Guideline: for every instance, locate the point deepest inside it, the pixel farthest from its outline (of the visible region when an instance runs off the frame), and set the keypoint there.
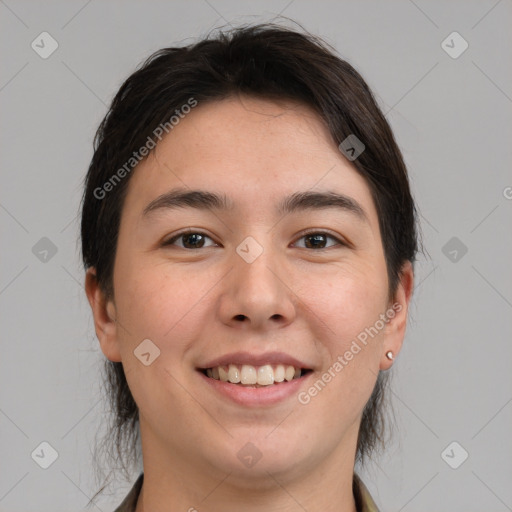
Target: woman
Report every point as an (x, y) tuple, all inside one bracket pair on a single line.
[(248, 235)]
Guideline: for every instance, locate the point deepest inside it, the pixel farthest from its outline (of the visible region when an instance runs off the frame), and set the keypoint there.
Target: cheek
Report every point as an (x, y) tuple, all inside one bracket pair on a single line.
[(350, 305), (157, 304), (347, 301), (163, 307), (351, 345)]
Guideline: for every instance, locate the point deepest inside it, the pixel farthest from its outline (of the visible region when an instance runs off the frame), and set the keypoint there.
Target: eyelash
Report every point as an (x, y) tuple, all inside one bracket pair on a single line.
[(171, 241)]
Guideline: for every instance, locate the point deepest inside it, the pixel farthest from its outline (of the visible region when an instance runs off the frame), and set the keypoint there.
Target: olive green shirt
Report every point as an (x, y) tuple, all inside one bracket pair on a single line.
[(364, 502)]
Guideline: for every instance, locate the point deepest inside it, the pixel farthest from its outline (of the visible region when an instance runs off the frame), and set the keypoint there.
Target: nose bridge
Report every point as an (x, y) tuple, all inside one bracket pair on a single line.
[(253, 262)]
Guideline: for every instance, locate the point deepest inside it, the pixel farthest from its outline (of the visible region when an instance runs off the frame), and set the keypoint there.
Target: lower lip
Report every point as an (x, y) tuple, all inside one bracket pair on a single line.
[(257, 397)]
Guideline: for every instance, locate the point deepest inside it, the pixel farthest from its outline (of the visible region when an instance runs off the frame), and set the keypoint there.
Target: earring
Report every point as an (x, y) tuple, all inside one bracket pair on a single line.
[(389, 355)]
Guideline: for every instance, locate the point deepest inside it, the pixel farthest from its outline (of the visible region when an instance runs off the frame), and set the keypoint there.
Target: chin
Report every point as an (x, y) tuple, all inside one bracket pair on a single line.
[(258, 453)]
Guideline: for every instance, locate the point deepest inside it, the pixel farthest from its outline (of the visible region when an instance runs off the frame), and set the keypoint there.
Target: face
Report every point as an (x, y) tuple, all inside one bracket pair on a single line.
[(255, 285)]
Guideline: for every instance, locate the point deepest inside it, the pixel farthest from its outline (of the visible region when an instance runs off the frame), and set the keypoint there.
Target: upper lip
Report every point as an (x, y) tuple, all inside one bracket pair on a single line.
[(240, 358)]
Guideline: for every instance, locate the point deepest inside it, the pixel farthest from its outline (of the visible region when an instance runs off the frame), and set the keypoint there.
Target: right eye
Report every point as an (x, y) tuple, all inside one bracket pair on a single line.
[(191, 240)]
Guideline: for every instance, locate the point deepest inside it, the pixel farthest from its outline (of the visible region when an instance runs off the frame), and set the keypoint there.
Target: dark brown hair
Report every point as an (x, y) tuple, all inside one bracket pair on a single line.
[(265, 61)]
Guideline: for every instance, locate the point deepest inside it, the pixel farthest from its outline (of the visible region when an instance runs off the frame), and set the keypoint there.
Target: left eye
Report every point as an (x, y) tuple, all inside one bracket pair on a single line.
[(317, 240), (196, 240)]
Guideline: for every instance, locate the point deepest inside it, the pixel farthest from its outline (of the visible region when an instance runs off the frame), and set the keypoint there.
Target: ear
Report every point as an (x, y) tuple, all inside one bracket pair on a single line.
[(395, 328), (104, 312)]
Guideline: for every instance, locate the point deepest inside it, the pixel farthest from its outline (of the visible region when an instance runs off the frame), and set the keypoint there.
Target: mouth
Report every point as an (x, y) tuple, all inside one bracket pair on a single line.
[(250, 376)]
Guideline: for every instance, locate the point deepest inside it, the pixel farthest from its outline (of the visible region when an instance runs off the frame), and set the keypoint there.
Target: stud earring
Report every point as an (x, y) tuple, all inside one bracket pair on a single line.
[(389, 355)]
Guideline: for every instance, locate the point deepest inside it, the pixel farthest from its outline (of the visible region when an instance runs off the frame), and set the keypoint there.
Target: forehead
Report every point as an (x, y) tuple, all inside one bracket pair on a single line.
[(252, 151)]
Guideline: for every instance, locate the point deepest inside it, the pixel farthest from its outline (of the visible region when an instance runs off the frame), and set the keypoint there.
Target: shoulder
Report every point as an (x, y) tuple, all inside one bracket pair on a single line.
[(362, 496)]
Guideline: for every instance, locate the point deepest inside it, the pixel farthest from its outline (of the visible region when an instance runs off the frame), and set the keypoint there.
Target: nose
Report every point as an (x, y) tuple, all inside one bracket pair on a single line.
[(257, 295)]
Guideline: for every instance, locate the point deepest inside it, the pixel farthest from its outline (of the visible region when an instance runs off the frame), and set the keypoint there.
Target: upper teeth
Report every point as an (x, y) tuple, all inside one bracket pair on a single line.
[(248, 374)]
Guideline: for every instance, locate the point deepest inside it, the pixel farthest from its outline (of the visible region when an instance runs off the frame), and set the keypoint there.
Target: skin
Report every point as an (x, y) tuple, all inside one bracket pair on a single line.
[(307, 302)]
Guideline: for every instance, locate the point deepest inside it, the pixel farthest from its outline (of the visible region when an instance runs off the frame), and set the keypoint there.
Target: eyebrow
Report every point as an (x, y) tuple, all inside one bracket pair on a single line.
[(206, 200)]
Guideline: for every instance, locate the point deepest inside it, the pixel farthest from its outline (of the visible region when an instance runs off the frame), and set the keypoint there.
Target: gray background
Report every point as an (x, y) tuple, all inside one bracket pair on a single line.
[(452, 119)]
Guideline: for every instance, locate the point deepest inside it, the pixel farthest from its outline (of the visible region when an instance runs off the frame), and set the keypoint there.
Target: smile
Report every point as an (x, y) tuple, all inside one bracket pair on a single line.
[(255, 376)]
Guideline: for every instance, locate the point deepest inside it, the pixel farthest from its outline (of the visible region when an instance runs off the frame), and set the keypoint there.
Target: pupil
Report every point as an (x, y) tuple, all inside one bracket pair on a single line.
[(193, 236), (318, 238)]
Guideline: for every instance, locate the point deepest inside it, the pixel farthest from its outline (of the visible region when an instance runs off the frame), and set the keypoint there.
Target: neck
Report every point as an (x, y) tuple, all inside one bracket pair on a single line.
[(173, 482)]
